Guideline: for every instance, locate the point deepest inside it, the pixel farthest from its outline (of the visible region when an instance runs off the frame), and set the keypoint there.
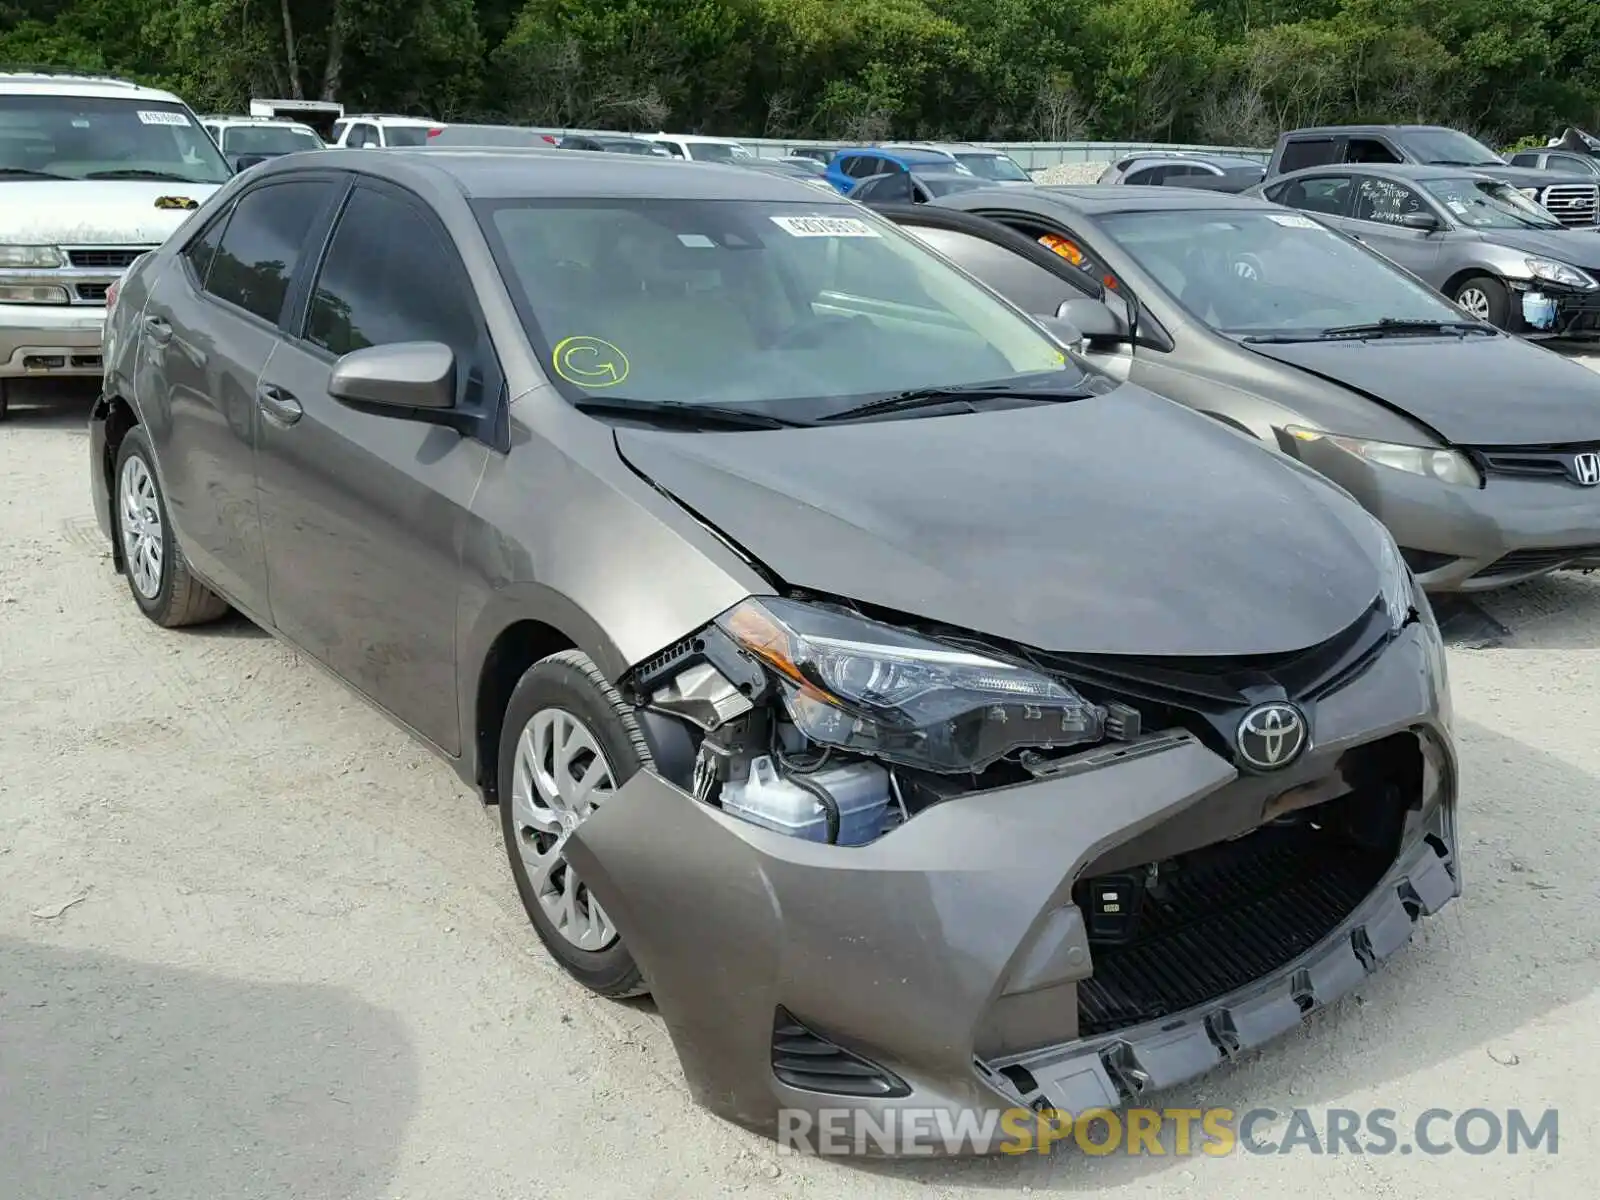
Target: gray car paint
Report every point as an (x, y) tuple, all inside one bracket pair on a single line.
[(425, 568), (1455, 252), (1260, 389)]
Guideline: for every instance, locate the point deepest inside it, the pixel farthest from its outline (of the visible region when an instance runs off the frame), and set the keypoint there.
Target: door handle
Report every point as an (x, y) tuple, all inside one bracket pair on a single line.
[(160, 332), (278, 404)]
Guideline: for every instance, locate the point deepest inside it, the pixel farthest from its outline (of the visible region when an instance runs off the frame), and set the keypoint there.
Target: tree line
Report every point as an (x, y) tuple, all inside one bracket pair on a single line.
[(1216, 71)]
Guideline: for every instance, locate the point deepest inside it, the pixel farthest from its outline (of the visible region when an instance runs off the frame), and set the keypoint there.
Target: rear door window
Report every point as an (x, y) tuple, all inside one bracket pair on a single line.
[(1326, 194), (1029, 286), (263, 243), (1307, 152)]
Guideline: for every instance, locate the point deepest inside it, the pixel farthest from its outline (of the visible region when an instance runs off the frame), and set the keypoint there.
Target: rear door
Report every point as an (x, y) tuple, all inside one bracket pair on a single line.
[(363, 513), (209, 328)]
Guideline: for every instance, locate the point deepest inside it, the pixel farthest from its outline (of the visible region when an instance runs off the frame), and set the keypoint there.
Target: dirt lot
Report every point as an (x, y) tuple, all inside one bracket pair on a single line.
[(254, 942)]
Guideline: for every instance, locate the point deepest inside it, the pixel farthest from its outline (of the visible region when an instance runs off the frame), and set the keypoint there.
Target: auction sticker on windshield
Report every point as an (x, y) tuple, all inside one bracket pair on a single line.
[(156, 117), (1294, 222), (825, 227)]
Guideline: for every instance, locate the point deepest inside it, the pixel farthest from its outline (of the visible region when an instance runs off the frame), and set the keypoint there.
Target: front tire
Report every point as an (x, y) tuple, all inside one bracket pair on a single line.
[(1485, 298), (568, 743), (158, 574)]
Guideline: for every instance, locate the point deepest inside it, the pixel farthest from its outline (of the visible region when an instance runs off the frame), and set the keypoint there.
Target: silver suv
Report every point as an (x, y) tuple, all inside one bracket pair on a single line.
[(93, 173)]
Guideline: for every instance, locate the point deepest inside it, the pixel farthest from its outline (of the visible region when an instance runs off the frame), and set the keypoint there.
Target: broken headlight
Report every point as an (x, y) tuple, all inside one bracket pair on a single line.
[(873, 689)]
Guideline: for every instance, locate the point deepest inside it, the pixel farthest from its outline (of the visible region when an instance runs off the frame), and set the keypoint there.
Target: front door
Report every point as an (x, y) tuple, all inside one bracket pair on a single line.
[(1376, 211), (207, 333), (363, 513)]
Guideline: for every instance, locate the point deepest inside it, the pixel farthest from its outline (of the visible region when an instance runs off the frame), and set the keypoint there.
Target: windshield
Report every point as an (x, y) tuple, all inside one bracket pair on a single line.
[(405, 135), (943, 185), (1489, 204), (717, 151), (628, 147), (994, 166), (794, 308), (268, 139), (1246, 273), (76, 137), (1449, 147)]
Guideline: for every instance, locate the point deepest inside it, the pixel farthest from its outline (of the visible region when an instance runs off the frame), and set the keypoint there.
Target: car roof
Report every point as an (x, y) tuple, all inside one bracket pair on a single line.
[(1096, 200), (1400, 172), (692, 139), (907, 154), (491, 173), (85, 87), (1337, 129)]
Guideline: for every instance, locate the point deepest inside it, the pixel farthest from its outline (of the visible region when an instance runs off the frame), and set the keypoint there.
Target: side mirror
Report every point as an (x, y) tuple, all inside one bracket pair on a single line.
[(1064, 331), (245, 161), (1094, 321), (416, 379), (1422, 222)]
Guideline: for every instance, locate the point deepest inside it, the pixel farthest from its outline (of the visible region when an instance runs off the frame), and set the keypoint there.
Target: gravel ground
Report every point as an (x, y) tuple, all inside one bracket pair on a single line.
[(1064, 173), (254, 942)]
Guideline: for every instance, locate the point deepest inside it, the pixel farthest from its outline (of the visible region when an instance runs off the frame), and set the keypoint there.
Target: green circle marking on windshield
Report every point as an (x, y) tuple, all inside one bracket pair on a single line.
[(589, 362)]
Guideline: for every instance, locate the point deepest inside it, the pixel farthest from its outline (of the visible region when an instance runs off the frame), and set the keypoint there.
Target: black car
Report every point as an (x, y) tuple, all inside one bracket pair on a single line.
[(914, 187), (608, 143)]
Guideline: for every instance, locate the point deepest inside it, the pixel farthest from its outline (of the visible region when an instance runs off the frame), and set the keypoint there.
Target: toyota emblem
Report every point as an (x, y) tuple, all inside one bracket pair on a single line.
[(1271, 736)]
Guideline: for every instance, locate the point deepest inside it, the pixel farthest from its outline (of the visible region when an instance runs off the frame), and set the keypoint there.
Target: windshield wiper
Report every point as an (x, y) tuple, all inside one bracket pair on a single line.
[(694, 416), (937, 396), (29, 173), (1385, 327), (141, 173)]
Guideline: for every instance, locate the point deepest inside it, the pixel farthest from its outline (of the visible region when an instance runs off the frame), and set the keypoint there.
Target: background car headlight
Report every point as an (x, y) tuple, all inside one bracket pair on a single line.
[(30, 256), (1532, 193), (874, 689), (1560, 272), (1431, 462)]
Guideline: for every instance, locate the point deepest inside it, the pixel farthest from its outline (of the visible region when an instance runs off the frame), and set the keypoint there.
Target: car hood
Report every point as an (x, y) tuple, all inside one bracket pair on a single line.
[(99, 212), (1119, 524), (1579, 246), (1473, 391)]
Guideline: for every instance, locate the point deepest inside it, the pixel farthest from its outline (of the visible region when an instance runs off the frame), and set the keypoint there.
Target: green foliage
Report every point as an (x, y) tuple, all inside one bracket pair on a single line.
[(1234, 71)]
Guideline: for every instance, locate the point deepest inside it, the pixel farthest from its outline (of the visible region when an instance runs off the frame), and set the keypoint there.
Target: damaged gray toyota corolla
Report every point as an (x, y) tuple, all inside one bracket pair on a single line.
[(926, 720)]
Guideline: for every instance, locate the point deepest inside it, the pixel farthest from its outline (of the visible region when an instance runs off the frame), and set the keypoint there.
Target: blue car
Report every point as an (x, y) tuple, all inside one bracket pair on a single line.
[(849, 167)]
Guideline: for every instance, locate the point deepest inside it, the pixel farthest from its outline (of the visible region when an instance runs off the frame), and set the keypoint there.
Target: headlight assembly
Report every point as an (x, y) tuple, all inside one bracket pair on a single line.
[(1431, 462), (1560, 272), (30, 256), (1399, 590), (873, 689)]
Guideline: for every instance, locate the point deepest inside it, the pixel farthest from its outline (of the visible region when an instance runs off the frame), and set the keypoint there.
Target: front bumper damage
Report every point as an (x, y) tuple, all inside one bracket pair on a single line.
[(946, 966)]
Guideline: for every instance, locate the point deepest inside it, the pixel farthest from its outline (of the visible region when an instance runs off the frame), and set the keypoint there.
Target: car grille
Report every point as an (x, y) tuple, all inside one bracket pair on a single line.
[(118, 258), (1572, 203), (1535, 462), (1528, 562), (92, 293)]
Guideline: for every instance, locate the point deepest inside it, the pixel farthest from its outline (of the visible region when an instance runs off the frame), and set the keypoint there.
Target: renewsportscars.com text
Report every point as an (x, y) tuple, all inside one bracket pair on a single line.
[(1176, 1132)]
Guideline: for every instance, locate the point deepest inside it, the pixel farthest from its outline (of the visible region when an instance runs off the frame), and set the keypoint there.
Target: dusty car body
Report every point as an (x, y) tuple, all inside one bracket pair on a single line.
[(1472, 445), (1475, 238), (851, 723)]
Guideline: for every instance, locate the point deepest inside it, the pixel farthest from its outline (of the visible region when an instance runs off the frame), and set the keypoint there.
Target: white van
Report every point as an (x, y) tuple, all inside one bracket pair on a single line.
[(93, 173), (699, 149)]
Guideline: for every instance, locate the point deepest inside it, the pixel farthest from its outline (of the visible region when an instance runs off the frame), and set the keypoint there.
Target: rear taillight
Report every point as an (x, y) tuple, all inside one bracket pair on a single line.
[(548, 138), (433, 133)]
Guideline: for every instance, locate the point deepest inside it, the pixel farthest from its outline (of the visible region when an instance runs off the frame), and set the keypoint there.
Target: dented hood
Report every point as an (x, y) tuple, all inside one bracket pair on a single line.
[(1118, 524), (110, 212)]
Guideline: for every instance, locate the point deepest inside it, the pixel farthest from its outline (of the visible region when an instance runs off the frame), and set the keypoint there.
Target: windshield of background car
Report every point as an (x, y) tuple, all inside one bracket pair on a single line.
[(1449, 146), (406, 135), (268, 139), (994, 166), (943, 185), (79, 137), (717, 151), (1489, 204), (790, 305), (1261, 273)]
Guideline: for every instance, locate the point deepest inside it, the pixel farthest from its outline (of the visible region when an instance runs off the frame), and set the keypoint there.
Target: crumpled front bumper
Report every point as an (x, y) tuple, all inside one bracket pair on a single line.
[(951, 948)]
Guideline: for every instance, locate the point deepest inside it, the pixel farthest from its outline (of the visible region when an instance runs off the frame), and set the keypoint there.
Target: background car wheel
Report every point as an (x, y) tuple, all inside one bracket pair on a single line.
[(569, 741), (1487, 299), (158, 575)]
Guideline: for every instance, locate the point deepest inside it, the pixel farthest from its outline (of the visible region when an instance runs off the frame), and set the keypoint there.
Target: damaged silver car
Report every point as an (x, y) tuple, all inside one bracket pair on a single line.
[(925, 718)]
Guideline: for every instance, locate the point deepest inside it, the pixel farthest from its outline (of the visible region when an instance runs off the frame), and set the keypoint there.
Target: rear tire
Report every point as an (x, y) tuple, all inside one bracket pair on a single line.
[(1486, 298), (565, 721), (157, 573)]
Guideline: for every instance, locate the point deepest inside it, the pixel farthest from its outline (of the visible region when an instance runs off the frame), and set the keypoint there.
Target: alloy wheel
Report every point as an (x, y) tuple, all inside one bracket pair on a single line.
[(142, 535), (561, 776), (1475, 302)]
